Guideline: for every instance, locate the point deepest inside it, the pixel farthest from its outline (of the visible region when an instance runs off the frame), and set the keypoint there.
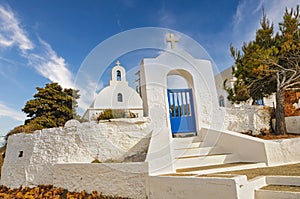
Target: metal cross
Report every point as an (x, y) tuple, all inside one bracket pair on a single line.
[(172, 40)]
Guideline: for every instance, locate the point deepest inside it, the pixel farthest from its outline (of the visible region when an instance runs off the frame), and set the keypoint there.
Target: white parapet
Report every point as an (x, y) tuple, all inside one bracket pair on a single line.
[(118, 179)]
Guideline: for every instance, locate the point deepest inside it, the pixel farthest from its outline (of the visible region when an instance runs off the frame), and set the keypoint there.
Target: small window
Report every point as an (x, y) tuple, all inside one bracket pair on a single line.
[(118, 75), (260, 102), (20, 154), (221, 101), (120, 97)]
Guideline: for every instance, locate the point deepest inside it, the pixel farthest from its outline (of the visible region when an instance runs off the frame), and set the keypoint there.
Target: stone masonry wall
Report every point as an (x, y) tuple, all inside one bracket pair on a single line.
[(30, 157), (250, 119)]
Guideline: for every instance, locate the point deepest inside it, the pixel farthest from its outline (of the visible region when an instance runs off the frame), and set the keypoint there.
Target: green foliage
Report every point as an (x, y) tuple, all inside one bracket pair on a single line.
[(52, 106), (114, 113), (96, 161), (268, 64)]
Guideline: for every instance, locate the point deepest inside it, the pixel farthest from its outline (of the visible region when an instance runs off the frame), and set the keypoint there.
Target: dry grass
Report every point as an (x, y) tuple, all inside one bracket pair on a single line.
[(217, 175), (48, 191), (285, 170), (178, 174), (277, 137), (282, 188)]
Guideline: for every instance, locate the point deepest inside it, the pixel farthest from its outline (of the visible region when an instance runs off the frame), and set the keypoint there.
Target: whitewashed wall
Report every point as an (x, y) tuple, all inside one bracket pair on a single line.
[(76, 143), (246, 119), (126, 180), (284, 151), (154, 74), (187, 187)]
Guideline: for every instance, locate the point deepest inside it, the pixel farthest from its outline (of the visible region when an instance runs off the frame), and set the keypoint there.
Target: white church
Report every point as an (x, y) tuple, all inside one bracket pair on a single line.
[(117, 96), (163, 151)]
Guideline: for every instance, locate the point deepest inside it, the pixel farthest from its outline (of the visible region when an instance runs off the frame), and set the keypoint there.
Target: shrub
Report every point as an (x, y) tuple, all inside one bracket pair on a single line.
[(115, 113), (96, 161)]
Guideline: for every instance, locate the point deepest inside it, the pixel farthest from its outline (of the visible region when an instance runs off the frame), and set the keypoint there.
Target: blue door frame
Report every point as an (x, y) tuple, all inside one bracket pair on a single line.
[(181, 107)]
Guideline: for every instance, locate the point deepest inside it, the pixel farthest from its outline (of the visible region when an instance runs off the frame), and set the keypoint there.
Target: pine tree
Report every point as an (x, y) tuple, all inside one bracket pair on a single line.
[(52, 106), (269, 64)]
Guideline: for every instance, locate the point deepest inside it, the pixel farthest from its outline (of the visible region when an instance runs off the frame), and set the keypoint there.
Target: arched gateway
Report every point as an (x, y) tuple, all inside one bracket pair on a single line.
[(181, 103), (175, 110)]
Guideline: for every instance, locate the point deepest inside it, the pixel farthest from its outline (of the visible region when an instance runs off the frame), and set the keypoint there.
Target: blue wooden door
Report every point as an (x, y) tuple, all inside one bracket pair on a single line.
[(181, 107)]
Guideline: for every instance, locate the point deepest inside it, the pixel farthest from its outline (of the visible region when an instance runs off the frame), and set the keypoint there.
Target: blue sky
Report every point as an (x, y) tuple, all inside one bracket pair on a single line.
[(44, 41)]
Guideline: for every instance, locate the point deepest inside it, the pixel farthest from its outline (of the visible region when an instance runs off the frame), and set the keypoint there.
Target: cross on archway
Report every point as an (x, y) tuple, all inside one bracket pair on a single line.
[(172, 40)]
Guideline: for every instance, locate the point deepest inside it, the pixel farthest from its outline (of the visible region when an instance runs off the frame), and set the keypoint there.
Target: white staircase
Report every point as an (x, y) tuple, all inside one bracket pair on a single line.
[(192, 156)]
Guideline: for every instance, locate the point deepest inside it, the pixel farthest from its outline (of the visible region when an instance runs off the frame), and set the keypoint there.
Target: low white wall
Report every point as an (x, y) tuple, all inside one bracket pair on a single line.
[(283, 180), (243, 147), (76, 143), (250, 149), (126, 180), (188, 188), (267, 194), (283, 151), (247, 119), (247, 188), (292, 124)]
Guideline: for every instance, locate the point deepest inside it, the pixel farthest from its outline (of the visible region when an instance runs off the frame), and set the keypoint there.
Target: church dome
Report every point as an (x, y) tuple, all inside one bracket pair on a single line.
[(118, 95)]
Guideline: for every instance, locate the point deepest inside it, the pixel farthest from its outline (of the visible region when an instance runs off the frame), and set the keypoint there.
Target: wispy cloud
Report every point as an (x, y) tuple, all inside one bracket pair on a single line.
[(40, 55), (245, 21), (10, 31), (166, 18), (9, 112), (276, 9), (50, 65), (249, 12)]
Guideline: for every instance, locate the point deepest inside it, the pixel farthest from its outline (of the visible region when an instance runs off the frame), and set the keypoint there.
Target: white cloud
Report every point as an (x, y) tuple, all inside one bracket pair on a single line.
[(50, 65), (41, 56), (249, 12), (246, 21), (239, 14), (9, 112), (275, 9), (166, 18), (10, 31)]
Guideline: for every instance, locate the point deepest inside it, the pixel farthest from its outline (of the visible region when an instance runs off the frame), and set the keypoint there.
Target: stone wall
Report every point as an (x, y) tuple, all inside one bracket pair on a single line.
[(126, 180), (247, 119), (292, 124), (30, 157)]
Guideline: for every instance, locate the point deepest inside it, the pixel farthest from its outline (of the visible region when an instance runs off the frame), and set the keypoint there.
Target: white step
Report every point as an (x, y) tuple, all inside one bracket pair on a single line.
[(225, 169), (268, 194), (185, 145), (202, 161), (200, 151)]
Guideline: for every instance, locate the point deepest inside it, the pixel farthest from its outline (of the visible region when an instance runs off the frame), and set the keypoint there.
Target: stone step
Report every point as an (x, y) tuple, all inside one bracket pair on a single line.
[(197, 161), (270, 194), (200, 151), (213, 169), (185, 145), (186, 142)]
